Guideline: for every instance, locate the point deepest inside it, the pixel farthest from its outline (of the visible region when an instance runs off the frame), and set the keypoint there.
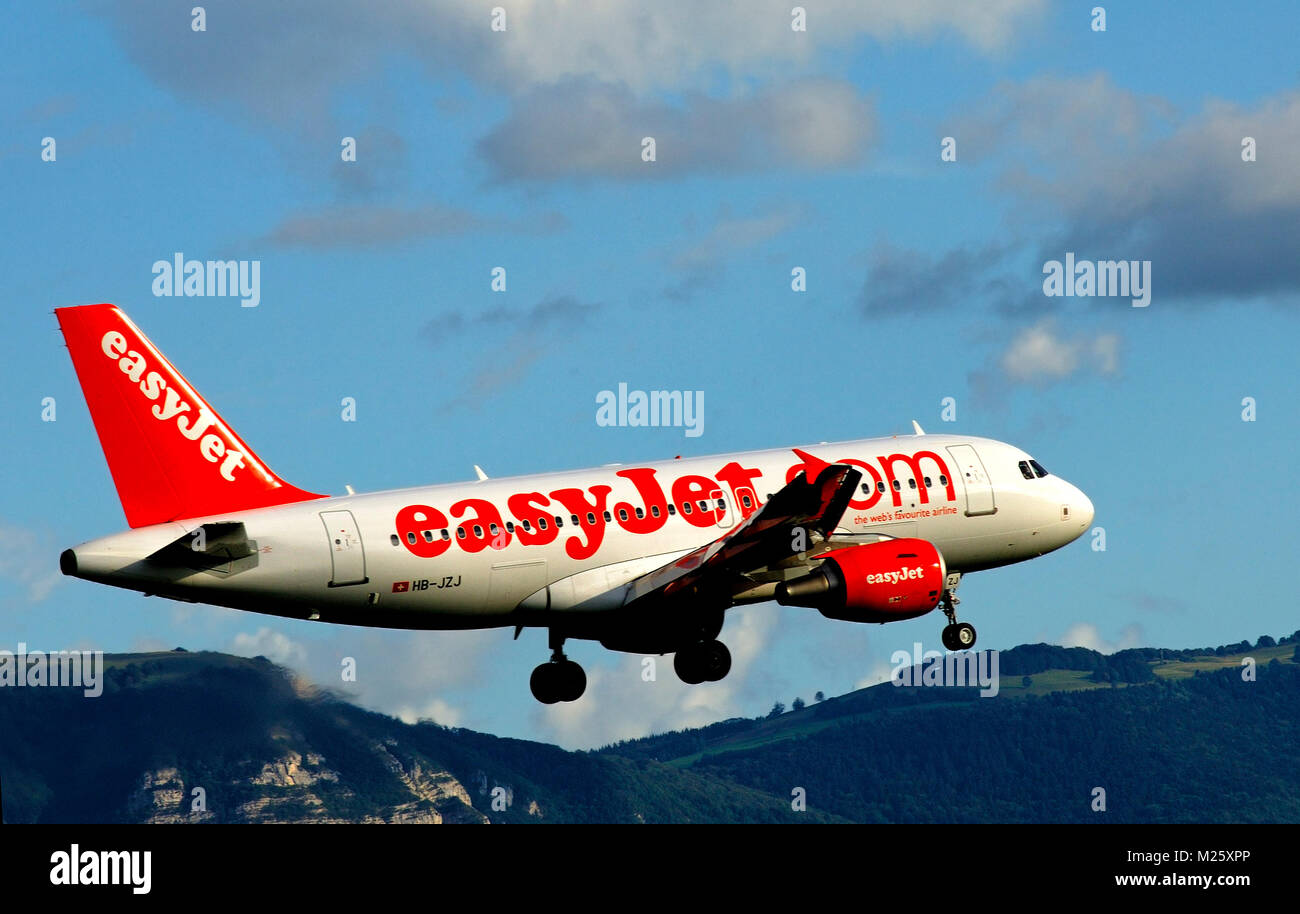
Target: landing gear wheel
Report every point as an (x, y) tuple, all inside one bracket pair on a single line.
[(543, 683), (687, 667), (706, 661), (573, 681), (558, 680), (959, 636), (716, 661)]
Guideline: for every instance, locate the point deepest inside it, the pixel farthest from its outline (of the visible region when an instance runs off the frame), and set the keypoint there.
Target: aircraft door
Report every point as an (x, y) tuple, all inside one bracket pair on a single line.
[(723, 510), (346, 552), (970, 469)]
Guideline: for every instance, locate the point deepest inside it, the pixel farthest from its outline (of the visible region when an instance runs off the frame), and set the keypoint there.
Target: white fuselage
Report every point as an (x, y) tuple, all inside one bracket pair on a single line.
[(351, 559)]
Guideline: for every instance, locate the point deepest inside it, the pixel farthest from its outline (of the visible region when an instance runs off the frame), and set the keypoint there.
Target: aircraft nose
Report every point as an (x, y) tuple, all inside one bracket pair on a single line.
[(1081, 511)]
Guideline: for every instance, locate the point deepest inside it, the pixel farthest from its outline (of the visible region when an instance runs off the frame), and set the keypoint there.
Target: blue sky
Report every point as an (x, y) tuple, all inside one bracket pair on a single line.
[(776, 149)]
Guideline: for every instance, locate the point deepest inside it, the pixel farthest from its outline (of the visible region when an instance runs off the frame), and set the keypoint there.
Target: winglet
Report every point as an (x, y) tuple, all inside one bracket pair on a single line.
[(917, 426), (479, 471)]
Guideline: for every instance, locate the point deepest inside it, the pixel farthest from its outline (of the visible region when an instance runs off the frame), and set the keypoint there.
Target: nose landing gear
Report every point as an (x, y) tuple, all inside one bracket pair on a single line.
[(956, 636)]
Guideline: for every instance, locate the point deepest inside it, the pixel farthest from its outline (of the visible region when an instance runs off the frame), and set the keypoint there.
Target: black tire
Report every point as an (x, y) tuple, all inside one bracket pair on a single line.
[(716, 661), (949, 638), (686, 663), (544, 683), (572, 680)]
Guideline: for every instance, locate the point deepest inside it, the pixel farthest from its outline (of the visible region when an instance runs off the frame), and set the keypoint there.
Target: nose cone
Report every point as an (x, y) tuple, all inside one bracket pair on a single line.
[(1086, 512), (1081, 511)]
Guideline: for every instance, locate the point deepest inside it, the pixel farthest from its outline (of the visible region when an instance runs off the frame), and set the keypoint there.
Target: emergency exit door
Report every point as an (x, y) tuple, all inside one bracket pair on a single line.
[(346, 552)]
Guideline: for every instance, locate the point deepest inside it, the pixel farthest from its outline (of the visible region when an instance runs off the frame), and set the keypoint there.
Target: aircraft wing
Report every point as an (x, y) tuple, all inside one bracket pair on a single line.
[(767, 536)]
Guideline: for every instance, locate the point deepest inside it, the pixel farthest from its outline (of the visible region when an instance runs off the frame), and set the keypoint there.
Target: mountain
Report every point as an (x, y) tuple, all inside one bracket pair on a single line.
[(1169, 736), (262, 746)]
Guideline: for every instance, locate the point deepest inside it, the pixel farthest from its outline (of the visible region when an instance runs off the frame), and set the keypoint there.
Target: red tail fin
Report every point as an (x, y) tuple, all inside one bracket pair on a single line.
[(170, 454)]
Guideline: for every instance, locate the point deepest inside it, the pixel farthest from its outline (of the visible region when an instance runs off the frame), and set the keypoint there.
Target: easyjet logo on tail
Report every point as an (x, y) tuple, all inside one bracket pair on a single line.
[(199, 427)]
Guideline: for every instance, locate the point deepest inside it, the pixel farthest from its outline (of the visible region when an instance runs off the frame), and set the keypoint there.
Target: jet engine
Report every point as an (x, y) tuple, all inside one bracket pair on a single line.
[(875, 582)]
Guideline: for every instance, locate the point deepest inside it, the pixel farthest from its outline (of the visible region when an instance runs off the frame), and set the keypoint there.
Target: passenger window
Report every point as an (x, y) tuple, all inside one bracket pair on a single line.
[(478, 531), (591, 519), (1024, 469), (396, 541), (526, 526), (898, 486), (541, 523), (640, 513), (559, 521), (608, 517), (686, 507), (574, 518), (672, 510), (654, 510), (866, 489), (460, 533), (493, 529), (928, 484), (622, 514), (880, 487), (445, 535), (410, 537), (943, 480), (746, 501), (428, 536), (510, 526), (911, 483)]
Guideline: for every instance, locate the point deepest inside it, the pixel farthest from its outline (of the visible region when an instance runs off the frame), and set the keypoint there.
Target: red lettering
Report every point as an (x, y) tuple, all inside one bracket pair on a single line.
[(740, 480), (654, 511), (694, 489), (914, 464), (412, 521), (864, 503), (528, 507), (486, 517), (575, 502)]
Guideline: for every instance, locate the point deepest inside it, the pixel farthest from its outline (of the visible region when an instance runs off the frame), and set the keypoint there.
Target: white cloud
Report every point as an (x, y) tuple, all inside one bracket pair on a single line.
[(407, 674), (273, 645), (1113, 174), (265, 59), (1085, 634), (583, 129), (434, 709), (1039, 354), (619, 704), (29, 559)]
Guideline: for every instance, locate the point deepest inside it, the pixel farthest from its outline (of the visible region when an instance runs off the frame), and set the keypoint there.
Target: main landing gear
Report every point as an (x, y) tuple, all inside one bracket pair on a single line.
[(704, 661), (957, 636), (560, 679)]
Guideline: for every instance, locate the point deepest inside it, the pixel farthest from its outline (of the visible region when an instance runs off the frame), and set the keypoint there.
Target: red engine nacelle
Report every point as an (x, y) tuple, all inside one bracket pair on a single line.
[(875, 582)]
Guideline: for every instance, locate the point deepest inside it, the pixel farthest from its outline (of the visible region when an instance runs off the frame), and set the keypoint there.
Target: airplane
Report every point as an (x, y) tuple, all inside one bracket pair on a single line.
[(645, 558)]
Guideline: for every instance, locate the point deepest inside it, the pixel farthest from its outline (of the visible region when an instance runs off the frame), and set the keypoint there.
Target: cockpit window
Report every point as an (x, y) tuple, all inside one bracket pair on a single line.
[(1038, 468), (1024, 469)]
